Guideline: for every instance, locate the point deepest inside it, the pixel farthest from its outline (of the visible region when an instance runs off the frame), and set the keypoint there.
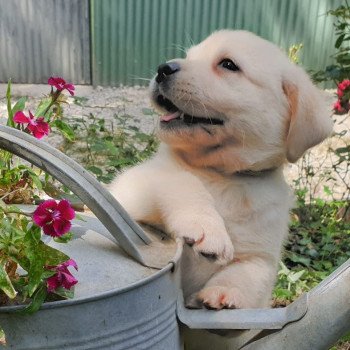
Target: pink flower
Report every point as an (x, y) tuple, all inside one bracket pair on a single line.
[(54, 218), (62, 277), (37, 126), (337, 106), (60, 84), (344, 84), (340, 93)]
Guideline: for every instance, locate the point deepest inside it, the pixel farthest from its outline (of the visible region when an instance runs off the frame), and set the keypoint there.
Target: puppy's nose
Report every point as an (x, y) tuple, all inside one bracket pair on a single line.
[(166, 69)]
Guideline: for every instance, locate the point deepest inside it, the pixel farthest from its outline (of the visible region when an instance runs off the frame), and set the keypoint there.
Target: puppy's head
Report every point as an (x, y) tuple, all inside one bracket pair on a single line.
[(235, 103)]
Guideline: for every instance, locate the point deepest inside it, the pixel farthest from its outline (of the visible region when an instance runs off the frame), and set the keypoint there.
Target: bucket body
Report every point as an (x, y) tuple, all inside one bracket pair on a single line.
[(142, 317)]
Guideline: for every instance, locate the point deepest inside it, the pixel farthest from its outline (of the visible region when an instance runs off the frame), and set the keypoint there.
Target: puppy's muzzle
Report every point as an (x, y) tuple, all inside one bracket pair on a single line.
[(165, 70)]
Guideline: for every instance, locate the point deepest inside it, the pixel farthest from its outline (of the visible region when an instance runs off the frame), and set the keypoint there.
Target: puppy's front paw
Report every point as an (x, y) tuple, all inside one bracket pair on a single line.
[(206, 237), (218, 297)]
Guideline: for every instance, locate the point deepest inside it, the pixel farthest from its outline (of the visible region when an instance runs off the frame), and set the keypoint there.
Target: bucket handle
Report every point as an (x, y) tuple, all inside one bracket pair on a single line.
[(127, 232)]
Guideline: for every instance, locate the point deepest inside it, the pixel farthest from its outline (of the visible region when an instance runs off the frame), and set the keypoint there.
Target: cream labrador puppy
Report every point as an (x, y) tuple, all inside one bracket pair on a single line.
[(233, 111)]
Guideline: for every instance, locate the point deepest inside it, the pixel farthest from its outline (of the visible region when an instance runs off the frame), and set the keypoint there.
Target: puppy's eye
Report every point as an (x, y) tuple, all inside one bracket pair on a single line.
[(228, 64)]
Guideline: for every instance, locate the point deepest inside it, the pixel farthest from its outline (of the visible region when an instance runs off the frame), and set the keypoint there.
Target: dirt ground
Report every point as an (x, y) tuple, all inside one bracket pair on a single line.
[(134, 103)]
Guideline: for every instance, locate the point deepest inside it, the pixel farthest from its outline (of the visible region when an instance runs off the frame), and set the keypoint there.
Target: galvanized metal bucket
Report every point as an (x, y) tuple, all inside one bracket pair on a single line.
[(128, 296)]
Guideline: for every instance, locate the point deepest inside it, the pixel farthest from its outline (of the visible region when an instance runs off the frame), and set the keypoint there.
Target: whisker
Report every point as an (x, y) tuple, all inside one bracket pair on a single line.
[(140, 78)]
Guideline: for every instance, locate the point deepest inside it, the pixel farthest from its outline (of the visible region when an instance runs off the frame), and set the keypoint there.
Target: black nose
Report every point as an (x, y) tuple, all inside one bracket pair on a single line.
[(166, 69)]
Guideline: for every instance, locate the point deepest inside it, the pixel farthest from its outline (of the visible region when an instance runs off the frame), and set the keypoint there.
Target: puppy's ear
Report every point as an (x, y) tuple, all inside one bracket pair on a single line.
[(310, 121)]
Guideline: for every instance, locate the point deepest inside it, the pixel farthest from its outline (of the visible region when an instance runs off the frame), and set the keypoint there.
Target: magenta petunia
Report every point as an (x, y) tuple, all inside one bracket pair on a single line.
[(343, 92), (344, 84), (37, 126), (54, 218), (340, 93), (60, 84), (62, 277), (337, 106)]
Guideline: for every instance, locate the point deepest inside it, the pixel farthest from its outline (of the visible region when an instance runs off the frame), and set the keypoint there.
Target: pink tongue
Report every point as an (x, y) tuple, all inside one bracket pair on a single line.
[(168, 117)]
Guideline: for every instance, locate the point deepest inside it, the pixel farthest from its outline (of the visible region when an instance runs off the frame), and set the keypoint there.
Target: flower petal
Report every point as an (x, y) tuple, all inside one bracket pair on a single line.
[(43, 213), (68, 280), (66, 210), (57, 82), (61, 226), (38, 134), (70, 88), (49, 204), (21, 118), (50, 230), (53, 283), (41, 218), (70, 262)]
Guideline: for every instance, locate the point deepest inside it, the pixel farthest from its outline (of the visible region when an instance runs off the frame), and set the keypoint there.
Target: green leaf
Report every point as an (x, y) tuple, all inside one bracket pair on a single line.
[(300, 259), (43, 106), (20, 105), (148, 111), (95, 170), (5, 283), (37, 300), (2, 337), (10, 121), (283, 269), (36, 260), (98, 146), (35, 273), (79, 217), (53, 256), (339, 41), (65, 238), (295, 276), (36, 181), (65, 293), (64, 129)]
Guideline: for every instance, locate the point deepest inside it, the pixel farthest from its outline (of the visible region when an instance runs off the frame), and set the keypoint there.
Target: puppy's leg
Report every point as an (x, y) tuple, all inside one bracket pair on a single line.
[(180, 202), (189, 212), (242, 284), (134, 190)]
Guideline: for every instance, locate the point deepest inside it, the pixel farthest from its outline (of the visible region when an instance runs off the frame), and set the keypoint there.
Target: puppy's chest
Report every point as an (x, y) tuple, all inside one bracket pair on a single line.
[(244, 204), (234, 203)]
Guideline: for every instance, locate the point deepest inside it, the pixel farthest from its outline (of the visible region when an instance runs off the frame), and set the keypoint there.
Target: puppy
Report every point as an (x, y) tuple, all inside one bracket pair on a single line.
[(233, 111)]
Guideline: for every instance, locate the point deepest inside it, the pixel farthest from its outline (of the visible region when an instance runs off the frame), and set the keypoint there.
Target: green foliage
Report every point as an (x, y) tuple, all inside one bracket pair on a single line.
[(319, 238), (318, 243), (340, 70), (10, 121), (25, 260), (294, 51), (2, 337), (343, 344), (107, 147)]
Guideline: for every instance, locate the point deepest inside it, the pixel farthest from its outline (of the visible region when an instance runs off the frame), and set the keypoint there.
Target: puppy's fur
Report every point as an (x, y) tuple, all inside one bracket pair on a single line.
[(217, 180)]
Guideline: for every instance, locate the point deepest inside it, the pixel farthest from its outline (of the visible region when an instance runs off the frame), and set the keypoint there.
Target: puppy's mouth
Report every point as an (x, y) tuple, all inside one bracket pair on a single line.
[(176, 115)]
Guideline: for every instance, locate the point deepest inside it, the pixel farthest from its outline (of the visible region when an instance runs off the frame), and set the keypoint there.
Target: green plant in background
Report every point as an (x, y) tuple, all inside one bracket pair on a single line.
[(319, 238), (294, 52), (106, 147), (340, 70)]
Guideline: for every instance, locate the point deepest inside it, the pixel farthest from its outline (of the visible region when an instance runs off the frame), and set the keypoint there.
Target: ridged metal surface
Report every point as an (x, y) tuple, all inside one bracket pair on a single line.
[(131, 37), (41, 38)]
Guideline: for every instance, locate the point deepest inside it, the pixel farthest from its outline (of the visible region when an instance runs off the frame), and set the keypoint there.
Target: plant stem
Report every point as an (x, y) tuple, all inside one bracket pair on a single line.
[(55, 96), (6, 212)]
